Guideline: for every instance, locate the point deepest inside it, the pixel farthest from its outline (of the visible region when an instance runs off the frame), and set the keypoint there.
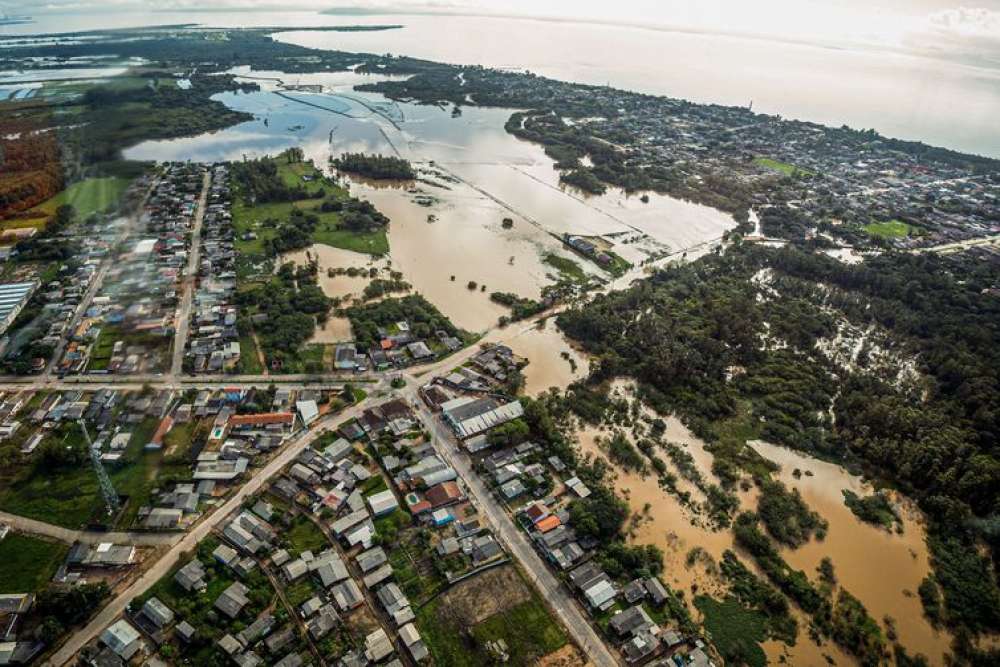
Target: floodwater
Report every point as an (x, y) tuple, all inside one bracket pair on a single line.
[(553, 362), (881, 569), (341, 286), (446, 230)]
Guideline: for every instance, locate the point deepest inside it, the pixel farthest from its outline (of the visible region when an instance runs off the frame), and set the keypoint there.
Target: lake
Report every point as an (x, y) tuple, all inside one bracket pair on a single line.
[(946, 103)]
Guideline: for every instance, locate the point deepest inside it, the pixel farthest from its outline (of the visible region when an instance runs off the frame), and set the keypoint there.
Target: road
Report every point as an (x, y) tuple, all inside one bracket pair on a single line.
[(68, 535), (190, 274), (518, 544), (189, 541), (960, 245), (95, 284)]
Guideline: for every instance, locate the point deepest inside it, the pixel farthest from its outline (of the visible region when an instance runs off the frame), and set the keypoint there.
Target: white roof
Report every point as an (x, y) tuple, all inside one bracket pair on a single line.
[(382, 502), (308, 411)]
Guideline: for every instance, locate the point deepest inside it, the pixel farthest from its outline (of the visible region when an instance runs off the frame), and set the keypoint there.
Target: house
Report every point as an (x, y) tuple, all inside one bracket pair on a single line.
[(445, 493), (123, 639), (225, 555), (657, 593), (347, 595), (163, 518), (191, 577), (103, 555), (232, 600), (310, 606), (292, 570), (550, 522), (383, 502), (378, 646), (370, 559), (329, 568), (253, 632), (600, 593), (159, 614), (414, 644), (324, 621), (185, 631)]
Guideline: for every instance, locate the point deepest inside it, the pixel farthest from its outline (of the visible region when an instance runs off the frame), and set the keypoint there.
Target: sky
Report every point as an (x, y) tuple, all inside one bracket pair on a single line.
[(966, 29)]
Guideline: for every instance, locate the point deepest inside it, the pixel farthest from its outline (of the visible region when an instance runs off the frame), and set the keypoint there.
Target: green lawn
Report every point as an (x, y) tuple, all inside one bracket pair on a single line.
[(28, 563), (305, 536), (249, 363), (567, 268), (91, 195), (734, 629), (783, 167), (890, 229), (251, 218)]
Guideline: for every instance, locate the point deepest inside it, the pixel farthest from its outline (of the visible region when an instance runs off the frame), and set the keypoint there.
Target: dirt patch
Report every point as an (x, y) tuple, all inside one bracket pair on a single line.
[(362, 621), (491, 592), (567, 656)]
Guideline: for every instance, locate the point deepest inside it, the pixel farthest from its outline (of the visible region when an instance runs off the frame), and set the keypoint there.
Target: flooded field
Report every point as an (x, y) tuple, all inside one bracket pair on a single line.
[(553, 362), (883, 569), (880, 568), (339, 286), (473, 175)]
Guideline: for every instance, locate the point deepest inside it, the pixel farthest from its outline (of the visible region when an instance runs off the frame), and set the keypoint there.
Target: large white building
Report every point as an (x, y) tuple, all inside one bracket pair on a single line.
[(469, 416), (13, 296)]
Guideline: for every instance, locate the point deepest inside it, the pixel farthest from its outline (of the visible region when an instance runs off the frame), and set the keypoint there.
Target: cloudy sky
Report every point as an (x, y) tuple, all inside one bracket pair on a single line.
[(966, 27)]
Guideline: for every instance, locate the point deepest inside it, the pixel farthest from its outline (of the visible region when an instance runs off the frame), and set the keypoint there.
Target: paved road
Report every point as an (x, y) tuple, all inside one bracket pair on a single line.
[(518, 544), (190, 273), (114, 609), (68, 535)]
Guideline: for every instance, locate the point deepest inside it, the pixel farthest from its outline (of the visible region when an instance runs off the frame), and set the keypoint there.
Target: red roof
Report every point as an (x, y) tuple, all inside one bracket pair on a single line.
[(443, 494), (548, 523), (386, 344), (162, 431), (262, 419), (536, 512)]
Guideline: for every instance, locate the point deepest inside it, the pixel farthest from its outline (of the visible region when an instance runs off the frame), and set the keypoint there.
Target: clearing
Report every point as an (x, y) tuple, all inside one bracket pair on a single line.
[(461, 624), (28, 563), (890, 229)]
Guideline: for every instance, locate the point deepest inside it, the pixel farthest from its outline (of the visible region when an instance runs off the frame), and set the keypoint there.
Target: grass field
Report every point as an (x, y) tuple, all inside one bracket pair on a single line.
[(251, 218), (500, 606), (783, 167), (91, 195), (890, 229), (28, 563), (567, 268), (71, 496), (734, 629), (249, 363), (305, 536)]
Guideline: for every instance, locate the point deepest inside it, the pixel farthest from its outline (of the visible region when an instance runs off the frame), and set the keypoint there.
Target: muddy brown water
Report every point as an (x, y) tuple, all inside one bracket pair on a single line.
[(880, 568)]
